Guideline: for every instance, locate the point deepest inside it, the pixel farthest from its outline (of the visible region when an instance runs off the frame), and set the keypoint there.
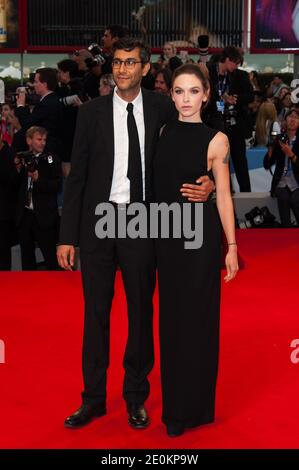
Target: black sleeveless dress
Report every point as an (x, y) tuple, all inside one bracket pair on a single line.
[(189, 283)]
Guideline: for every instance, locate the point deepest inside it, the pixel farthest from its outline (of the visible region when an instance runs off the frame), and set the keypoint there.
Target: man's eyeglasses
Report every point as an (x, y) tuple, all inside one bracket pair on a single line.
[(128, 63)]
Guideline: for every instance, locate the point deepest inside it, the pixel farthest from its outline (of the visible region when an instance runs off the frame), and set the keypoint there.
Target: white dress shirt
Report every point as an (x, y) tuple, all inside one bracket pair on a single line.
[(30, 184), (120, 188)]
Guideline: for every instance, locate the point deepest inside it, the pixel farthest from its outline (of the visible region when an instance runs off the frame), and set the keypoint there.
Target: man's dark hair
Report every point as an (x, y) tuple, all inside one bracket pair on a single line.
[(128, 44), (117, 31), (233, 54), (49, 76), (167, 76), (69, 65)]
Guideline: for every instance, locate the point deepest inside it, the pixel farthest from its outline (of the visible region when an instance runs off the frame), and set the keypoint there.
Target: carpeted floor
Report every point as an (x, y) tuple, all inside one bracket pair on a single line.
[(41, 318)]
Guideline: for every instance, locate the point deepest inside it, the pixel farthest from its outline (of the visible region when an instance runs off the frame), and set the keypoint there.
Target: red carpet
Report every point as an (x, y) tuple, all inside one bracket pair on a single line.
[(257, 402)]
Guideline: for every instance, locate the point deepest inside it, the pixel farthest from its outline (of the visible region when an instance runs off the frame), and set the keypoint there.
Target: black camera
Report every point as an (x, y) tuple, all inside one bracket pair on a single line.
[(31, 97), (230, 116), (203, 47), (283, 138), (203, 41), (259, 217), (71, 100), (276, 137), (28, 160), (99, 57)]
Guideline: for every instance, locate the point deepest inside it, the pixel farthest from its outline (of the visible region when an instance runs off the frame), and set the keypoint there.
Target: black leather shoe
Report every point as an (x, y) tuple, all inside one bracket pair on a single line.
[(174, 430), (84, 415), (138, 417)]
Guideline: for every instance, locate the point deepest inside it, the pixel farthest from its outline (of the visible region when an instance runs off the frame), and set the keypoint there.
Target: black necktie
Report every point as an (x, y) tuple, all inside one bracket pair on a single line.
[(134, 161)]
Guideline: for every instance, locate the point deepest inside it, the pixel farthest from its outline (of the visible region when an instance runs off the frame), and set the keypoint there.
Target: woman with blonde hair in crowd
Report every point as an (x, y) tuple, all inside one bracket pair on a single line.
[(266, 122), (172, 61)]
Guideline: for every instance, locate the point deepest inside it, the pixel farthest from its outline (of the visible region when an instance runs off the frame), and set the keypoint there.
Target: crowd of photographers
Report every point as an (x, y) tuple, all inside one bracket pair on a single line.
[(38, 125)]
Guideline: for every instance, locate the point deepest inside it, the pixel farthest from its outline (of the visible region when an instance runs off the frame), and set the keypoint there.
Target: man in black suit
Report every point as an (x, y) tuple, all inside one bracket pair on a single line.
[(284, 154), (228, 111), (101, 166), (47, 113), (37, 211)]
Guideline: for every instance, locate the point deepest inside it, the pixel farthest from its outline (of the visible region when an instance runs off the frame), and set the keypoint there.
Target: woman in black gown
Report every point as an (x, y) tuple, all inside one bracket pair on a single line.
[(189, 279)]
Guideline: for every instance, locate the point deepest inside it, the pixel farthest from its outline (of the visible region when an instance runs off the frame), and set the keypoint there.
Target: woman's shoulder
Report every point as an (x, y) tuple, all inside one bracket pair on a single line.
[(218, 139), (211, 132)]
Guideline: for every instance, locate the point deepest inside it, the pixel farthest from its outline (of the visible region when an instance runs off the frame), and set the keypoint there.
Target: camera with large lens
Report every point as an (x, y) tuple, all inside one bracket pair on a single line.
[(31, 97), (276, 137), (284, 138), (230, 116), (28, 160), (99, 57), (273, 138), (72, 99), (203, 47), (259, 217)]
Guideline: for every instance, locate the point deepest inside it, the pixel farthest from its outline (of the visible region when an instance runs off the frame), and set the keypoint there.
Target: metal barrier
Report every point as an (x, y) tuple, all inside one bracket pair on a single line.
[(79, 22)]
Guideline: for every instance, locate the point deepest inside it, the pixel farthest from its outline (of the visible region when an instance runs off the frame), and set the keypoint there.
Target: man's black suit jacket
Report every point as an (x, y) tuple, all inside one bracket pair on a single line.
[(278, 159), (239, 84), (44, 192), (48, 114), (90, 179)]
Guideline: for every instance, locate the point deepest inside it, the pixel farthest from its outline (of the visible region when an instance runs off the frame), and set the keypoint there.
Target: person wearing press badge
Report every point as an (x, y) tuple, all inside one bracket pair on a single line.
[(284, 152), (37, 210), (228, 111)]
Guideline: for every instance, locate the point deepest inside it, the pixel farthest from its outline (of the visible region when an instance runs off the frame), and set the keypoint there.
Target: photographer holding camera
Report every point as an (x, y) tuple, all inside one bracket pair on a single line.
[(231, 92), (84, 58), (94, 65), (47, 113), (284, 152), (37, 211)]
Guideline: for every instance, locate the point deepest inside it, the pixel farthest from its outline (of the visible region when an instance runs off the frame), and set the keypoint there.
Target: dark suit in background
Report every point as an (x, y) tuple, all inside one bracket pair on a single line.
[(39, 224), (69, 115), (286, 198), (89, 184), (9, 178), (238, 84), (47, 114)]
